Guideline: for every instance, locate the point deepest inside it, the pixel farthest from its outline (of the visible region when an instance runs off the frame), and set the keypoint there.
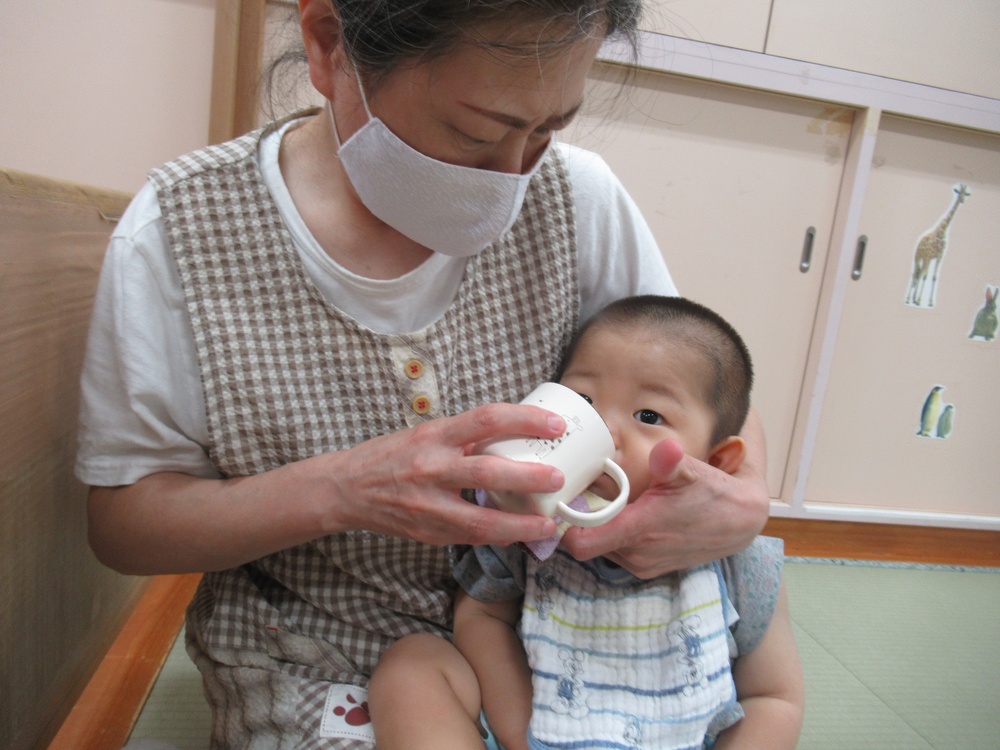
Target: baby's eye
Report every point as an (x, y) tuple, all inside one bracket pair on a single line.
[(586, 398), (648, 416)]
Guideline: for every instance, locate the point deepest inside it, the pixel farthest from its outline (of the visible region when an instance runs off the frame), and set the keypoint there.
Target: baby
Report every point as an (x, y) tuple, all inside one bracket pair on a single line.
[(564, 653)]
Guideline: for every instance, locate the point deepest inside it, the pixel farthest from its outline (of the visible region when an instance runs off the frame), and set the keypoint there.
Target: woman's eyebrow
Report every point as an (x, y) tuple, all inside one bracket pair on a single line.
[(553, 123)]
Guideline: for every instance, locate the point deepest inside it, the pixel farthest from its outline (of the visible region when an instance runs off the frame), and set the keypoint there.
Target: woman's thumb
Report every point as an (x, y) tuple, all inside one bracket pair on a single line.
[(665, 460)]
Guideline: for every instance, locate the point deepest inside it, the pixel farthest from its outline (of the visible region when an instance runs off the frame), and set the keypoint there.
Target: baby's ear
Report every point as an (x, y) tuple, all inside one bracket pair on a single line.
[(728, 455)]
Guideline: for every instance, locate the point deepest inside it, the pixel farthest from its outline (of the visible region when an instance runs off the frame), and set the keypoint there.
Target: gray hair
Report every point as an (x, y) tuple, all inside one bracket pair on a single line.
[(381, 35)]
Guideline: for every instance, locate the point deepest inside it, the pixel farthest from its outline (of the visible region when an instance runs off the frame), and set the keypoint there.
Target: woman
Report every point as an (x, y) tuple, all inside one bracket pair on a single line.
[(300, 334)]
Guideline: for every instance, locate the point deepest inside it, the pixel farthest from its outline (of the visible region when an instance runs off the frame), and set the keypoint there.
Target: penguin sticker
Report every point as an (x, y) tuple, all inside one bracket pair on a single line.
[(936, 417), (946, 421)]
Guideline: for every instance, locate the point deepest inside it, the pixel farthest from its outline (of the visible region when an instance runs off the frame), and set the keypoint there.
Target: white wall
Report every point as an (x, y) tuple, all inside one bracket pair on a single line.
[(100, 91)]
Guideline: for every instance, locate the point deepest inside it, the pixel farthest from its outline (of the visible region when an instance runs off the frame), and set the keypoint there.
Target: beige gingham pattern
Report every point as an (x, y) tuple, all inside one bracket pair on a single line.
[(288, 376)]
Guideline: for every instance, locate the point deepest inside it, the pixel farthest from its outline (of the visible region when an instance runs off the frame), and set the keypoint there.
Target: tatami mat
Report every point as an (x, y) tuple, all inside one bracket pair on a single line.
[(176, 712), (898, 657), (895, 657)]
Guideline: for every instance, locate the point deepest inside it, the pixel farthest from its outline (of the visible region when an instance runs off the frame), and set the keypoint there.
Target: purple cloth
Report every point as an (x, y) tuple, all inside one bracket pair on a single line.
[(543, 548)]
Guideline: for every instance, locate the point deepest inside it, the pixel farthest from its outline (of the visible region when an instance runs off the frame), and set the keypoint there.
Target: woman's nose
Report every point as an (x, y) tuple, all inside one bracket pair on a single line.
[(514, 156)]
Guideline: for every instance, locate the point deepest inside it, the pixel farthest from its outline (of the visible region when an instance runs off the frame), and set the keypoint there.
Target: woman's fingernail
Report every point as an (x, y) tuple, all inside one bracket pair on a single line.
[(556, 479), (557, 423)]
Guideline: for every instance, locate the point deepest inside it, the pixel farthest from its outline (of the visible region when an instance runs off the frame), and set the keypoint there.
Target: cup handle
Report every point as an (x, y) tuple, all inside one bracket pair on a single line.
[(605, 514)]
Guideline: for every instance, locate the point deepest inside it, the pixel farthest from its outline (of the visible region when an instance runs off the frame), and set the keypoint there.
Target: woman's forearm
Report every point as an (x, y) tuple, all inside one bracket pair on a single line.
[(406, 484), (175, 523)]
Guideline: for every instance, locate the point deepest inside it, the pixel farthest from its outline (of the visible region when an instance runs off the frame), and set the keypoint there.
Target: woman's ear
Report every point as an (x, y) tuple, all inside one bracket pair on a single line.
[(321, 38), (728, 455)]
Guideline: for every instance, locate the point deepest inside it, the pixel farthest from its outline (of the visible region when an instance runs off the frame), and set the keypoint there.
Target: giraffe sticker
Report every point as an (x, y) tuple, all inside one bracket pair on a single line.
[(930, 251)]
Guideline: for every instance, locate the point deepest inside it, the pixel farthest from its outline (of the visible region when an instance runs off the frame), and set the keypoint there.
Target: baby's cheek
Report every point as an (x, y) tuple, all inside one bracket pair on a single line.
[(638, 482), (638, 479)]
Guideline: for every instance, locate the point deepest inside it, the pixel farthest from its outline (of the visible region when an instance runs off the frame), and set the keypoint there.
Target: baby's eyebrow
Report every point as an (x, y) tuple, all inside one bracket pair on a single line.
[(663, 389)]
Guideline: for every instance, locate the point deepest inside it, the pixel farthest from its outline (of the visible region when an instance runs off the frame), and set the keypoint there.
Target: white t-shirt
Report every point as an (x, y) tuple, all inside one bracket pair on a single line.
[(142, 406)]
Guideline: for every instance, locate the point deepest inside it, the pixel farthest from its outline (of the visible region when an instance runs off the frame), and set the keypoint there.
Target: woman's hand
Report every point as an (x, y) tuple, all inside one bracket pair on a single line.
[(691, 513), (407, 484), (410, 481)]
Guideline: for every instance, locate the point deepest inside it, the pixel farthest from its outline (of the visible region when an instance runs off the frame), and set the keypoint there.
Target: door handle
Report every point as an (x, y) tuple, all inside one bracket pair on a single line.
[(859, 256), (807, 250)]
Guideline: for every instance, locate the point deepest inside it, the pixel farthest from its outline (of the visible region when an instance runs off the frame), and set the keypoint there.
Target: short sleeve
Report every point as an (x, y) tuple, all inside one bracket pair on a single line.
[(753, 578), (142, 409), (492, 574)]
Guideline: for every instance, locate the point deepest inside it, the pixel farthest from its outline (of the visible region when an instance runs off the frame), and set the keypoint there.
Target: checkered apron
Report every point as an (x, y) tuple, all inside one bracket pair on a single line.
[(287, 376)]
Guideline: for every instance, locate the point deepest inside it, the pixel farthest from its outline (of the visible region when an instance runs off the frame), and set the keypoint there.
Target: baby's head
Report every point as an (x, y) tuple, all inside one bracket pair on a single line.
[(663, 367)]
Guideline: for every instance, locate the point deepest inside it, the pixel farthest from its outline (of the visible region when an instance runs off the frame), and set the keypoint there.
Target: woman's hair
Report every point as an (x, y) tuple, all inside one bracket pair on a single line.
[(381, 35), (702, 330)]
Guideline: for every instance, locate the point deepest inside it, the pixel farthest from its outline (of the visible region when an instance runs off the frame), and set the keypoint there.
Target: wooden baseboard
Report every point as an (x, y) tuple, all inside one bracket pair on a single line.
[(873, 541), (103, 717)]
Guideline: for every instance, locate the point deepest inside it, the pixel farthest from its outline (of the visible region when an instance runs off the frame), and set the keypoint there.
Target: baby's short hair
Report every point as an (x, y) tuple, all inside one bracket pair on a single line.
[(704, 331)]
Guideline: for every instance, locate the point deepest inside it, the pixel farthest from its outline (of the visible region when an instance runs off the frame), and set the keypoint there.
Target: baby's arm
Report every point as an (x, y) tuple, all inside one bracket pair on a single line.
[(485, 633), (771, 689)]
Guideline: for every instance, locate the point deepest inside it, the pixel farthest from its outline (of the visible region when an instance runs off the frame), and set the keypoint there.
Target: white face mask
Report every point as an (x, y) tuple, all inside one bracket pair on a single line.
[(450, 209)]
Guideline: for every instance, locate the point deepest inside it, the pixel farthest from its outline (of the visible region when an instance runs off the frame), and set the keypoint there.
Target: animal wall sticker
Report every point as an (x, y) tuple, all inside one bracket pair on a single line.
[(946, 421), (985, 326), (937, 419), (930, 252)]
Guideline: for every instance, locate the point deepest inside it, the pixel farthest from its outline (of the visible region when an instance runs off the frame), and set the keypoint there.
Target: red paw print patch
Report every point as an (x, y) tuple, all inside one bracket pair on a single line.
[(346, 714)]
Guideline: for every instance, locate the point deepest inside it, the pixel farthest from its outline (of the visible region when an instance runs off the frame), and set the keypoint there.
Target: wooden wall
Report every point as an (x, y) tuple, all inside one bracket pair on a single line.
[(61, 608)]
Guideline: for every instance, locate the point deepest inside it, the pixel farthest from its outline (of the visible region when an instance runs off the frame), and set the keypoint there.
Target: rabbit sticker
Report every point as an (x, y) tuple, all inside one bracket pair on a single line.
[(985, 326)]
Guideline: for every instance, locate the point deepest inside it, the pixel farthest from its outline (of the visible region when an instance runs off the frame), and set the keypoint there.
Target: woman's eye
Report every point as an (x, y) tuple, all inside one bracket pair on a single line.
[(468, 139), (648, 416)]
